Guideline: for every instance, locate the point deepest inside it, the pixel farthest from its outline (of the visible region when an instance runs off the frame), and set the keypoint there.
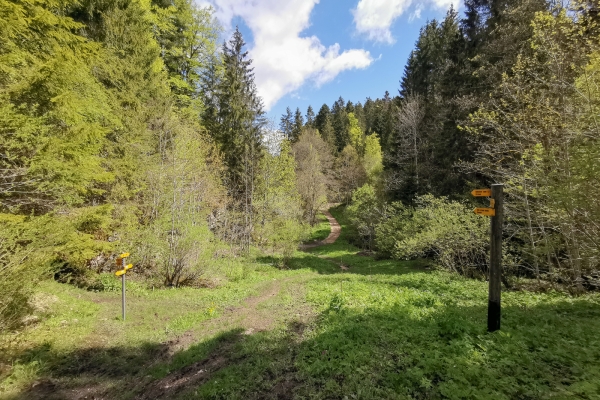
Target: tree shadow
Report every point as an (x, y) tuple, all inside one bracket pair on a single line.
[(353, 264), (416, 349), (395, 353), (108, 372)]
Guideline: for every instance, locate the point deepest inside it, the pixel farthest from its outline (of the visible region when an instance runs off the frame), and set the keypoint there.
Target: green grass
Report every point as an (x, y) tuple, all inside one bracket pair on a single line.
[(381, 330), (321, 229)]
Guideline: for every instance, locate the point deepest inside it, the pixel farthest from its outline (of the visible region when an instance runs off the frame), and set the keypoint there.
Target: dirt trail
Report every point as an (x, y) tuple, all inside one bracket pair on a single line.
[(254, 315), (336, 229)]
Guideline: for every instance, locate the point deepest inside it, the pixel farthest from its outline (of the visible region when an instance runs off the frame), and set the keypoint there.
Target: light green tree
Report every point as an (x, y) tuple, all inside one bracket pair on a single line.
[(373, 159), (277, 203), (356, 134)]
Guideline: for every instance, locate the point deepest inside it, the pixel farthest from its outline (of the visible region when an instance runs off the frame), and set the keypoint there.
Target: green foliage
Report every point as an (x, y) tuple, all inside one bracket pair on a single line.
[(55, 113), (538, 136), (176, 241), (355, 134), (187, 35), (313, 161), (365, 212), (277, 203), (320, 230), (26, 251), (384, 329), (439, 228), (373, 158)]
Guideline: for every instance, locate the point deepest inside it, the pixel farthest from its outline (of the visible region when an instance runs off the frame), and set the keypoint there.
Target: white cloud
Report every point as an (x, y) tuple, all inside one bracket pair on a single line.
[(283, 60), (375, 17)]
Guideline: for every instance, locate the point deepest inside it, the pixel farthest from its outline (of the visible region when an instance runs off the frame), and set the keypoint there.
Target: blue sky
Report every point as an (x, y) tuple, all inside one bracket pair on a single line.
[(313, 51)]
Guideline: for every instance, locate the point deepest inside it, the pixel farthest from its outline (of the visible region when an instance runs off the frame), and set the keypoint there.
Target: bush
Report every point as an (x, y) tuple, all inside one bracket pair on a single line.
[(23, 262), (364, 213), (282, 237), (445, 230)]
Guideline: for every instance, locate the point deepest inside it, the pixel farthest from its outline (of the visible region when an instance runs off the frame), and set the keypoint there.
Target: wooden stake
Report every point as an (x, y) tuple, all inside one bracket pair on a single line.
[(494, 310), (123, 295)]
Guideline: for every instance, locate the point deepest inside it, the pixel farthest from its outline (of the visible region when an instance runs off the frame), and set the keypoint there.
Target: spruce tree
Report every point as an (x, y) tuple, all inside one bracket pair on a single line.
[(340, 123), (187, 36), (286, 123), (297, 126), (310, 117), (321, 118), (239, 131), (240, 114)]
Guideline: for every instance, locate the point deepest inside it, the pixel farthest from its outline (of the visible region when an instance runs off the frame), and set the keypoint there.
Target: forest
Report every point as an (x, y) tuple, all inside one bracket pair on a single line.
[(128, 126)]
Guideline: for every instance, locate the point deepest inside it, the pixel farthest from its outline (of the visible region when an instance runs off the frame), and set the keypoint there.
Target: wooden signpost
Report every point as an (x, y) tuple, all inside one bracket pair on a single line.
[(495, 211), (121, 273)]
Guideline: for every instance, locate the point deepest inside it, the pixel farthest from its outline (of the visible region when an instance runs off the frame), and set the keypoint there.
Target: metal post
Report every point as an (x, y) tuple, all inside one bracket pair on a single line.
[(123, 295), (496, 259)]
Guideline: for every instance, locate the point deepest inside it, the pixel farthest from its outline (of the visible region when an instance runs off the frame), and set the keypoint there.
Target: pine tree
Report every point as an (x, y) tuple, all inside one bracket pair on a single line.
[(310, 117), (187, 37), (323, 115), (287, 124), (240, 115), (340, 123), (239, 133), (297, 125)]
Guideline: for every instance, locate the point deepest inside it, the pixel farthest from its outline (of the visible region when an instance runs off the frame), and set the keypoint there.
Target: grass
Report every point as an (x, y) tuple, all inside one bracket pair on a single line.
[(320, 231), (381, 330)]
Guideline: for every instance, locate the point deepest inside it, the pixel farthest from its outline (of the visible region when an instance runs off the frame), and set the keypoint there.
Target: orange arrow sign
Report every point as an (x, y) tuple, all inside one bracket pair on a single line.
[(488, 212), (482, 192)]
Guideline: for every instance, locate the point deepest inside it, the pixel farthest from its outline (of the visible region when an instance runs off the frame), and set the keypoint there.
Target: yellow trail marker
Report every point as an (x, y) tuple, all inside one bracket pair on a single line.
[(124, 255), (128, 266), (120, 272), (488, 212), (482, 192)]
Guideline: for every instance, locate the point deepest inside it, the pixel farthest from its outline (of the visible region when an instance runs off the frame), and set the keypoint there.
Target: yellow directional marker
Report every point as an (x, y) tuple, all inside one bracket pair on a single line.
[(482, 192), (120, 272), (488, 212), (124, 255), (128, 266)]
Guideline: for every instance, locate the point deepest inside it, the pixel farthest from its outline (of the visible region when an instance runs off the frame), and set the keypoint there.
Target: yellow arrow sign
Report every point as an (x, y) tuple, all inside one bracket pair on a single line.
[(120, 272), (488, 212), (128, 266), (482, 192), (124, 255)]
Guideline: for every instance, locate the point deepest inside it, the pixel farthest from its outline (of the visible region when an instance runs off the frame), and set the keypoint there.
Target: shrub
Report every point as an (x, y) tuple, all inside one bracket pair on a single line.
[(445, 230), (364, 213), (23, 262)]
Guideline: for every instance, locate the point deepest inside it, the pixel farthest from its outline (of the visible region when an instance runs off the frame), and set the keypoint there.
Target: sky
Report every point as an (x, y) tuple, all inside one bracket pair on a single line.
[(311, 52)]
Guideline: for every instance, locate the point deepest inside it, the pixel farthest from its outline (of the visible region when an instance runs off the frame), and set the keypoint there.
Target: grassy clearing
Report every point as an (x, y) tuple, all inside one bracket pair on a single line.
[(382, 329)]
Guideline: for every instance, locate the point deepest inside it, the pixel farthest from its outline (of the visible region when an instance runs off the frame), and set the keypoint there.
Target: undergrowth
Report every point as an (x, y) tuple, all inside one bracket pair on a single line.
[(381, 329)]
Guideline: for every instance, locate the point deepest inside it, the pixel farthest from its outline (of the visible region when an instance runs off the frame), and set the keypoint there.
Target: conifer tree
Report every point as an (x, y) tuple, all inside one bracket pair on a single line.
[(240, 115), (286, 124), (310, 117), (239, 130), (187, 36), (340, 123), (297, 125)]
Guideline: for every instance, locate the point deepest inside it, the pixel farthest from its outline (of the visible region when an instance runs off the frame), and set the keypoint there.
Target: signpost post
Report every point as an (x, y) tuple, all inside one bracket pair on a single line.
[(121, 273), (496, 212)]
